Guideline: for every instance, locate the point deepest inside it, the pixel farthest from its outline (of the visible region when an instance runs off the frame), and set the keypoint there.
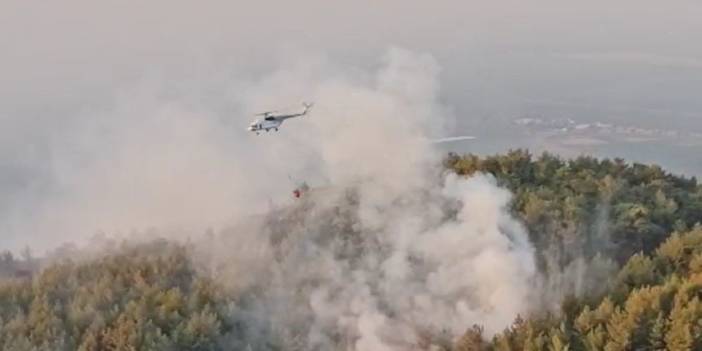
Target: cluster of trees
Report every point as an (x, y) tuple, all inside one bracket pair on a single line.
[(151, 296), (147, 297), (586, 206), (654, 305), (17, 267)]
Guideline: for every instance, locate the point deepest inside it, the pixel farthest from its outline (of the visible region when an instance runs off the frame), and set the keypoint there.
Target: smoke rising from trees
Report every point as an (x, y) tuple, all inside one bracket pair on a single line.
[(411, 252)]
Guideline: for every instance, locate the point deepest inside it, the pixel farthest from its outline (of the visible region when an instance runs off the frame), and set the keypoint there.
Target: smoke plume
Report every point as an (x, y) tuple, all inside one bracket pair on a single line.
[(386, 252), (342, 270), (390, 253)]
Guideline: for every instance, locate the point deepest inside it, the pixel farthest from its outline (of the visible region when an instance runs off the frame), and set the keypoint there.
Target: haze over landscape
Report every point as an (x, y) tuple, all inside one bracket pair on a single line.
[(70, 68), (127, 120)]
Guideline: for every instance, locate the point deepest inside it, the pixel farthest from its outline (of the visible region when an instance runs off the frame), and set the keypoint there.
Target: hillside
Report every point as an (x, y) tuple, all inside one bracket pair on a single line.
[(586, 206), (617, 252), (654, 304)]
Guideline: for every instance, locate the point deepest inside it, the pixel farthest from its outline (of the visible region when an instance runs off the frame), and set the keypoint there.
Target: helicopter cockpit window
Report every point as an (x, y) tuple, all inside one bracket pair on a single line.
[(269, 118)]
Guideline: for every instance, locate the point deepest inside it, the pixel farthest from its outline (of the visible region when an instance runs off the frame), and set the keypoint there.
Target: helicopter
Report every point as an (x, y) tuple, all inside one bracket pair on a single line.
[(271, 120)]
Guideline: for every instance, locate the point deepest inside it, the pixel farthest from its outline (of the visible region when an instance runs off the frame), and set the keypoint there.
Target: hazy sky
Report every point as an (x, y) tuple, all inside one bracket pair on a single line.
[(66, 67), (621, 55), (623, 59)]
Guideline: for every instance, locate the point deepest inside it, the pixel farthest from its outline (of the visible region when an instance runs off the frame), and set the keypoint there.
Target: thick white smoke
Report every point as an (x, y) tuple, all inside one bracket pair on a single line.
[(384, 252), (430, 262), (391, 254)]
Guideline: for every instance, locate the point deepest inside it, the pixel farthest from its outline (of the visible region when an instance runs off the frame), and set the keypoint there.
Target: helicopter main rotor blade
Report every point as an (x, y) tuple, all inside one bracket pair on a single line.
[(450, 139)]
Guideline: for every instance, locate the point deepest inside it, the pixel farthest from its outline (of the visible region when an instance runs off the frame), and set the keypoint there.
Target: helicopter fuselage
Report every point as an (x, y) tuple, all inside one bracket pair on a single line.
[(265, 125)]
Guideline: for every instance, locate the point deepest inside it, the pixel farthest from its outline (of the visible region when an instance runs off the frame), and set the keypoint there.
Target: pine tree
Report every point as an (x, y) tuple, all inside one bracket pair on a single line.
[(619, 330), (679, 336), (534, 340), (596, 339), (559, 339), (472, 340), (585, 321), (656, 338)]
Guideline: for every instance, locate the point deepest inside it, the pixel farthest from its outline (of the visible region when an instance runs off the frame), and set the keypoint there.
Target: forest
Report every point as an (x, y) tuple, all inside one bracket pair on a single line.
[(637, 222), (643, 218)]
